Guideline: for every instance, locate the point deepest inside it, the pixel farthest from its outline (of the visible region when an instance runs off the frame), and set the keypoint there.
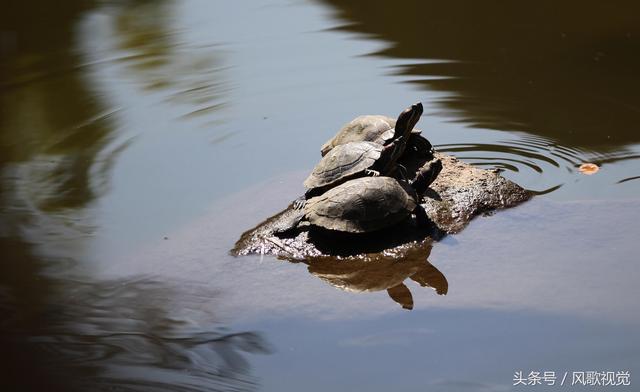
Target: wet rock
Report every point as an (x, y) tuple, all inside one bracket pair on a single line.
[(460, 193)]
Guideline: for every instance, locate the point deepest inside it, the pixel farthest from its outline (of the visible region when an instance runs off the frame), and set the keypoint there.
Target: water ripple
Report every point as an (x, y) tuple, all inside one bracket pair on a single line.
[(531, 159), (125, 335)]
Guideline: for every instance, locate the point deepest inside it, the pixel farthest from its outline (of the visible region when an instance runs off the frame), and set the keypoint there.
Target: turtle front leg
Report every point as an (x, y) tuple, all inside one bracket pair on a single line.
[(299, 203), (288, 222)]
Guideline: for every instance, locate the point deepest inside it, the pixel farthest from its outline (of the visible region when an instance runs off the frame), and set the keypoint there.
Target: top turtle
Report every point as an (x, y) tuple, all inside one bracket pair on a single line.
[(374, 128), (356, 159)]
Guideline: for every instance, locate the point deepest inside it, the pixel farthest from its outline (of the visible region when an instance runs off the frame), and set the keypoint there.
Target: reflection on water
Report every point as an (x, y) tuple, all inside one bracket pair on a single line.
[(123, 336), (52, 128), (629, 179), (384, 271), (536, 155), (534, 68), (59, 141), (147, 45)]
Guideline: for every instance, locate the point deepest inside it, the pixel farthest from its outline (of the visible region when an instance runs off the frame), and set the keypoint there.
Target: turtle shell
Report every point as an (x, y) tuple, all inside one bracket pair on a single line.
[(369, 128), (362, 205), (342, 162)]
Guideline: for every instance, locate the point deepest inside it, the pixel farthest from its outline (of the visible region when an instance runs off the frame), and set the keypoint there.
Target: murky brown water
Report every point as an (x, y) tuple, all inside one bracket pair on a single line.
[(138, 139)]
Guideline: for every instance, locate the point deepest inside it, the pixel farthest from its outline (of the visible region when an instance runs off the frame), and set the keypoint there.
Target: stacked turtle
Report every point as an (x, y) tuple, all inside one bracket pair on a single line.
[(360, 185)]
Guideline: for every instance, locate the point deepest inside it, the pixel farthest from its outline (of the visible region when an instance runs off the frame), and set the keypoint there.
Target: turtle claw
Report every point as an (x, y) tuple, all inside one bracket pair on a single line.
[(372, 173), (298, 204)]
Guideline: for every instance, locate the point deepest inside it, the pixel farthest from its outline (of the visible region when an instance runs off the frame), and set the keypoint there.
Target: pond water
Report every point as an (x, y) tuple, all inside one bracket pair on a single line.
[(139, 139)]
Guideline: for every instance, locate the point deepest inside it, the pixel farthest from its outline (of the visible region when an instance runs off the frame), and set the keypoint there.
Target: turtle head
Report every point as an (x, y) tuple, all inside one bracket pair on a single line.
[(407, 120), (404, 124), (426, 175)]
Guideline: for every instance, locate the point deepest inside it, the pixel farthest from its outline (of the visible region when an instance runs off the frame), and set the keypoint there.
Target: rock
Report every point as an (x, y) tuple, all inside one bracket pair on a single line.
[(459, 193)]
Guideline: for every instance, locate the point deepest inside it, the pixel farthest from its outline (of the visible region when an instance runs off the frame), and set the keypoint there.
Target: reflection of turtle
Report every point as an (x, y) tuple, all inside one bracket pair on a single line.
[(370, 203), (383, 273), (377, 129), (357, 159)]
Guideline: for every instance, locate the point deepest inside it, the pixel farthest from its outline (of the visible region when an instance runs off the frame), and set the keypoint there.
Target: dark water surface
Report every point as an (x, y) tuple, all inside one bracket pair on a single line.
[(139, 139)]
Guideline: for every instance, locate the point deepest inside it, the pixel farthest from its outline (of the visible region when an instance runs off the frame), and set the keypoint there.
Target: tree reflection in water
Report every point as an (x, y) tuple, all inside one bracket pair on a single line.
[(58, 141), (121, 336), (534, 67)]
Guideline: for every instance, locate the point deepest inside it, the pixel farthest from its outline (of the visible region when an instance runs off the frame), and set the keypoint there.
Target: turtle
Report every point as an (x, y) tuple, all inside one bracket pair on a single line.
[(368, 204), (378, 129), (357, 159)]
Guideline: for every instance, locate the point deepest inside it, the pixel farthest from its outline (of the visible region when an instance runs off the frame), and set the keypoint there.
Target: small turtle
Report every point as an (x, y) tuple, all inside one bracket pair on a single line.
[(378, 129), (368, 204), (357, 159)]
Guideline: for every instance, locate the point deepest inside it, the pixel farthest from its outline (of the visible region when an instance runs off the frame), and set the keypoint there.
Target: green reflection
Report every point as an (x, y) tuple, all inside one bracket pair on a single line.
[(57, 147), (159, 61), (562, 70), (53, 126)]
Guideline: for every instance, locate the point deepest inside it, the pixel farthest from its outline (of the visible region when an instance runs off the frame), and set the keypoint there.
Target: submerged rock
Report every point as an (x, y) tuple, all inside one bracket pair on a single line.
[(460, 192)]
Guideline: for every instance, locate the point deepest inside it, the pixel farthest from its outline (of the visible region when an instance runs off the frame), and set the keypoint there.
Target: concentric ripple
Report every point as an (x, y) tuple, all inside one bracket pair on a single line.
[(539, 164)]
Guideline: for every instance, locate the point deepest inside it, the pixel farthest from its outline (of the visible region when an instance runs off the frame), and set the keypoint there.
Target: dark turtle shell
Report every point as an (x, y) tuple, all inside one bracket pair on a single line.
[(343, 162), (370, 128), (362, 205)]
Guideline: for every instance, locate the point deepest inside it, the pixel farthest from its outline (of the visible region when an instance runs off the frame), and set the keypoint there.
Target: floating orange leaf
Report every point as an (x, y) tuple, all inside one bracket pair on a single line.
[(589, 168)]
